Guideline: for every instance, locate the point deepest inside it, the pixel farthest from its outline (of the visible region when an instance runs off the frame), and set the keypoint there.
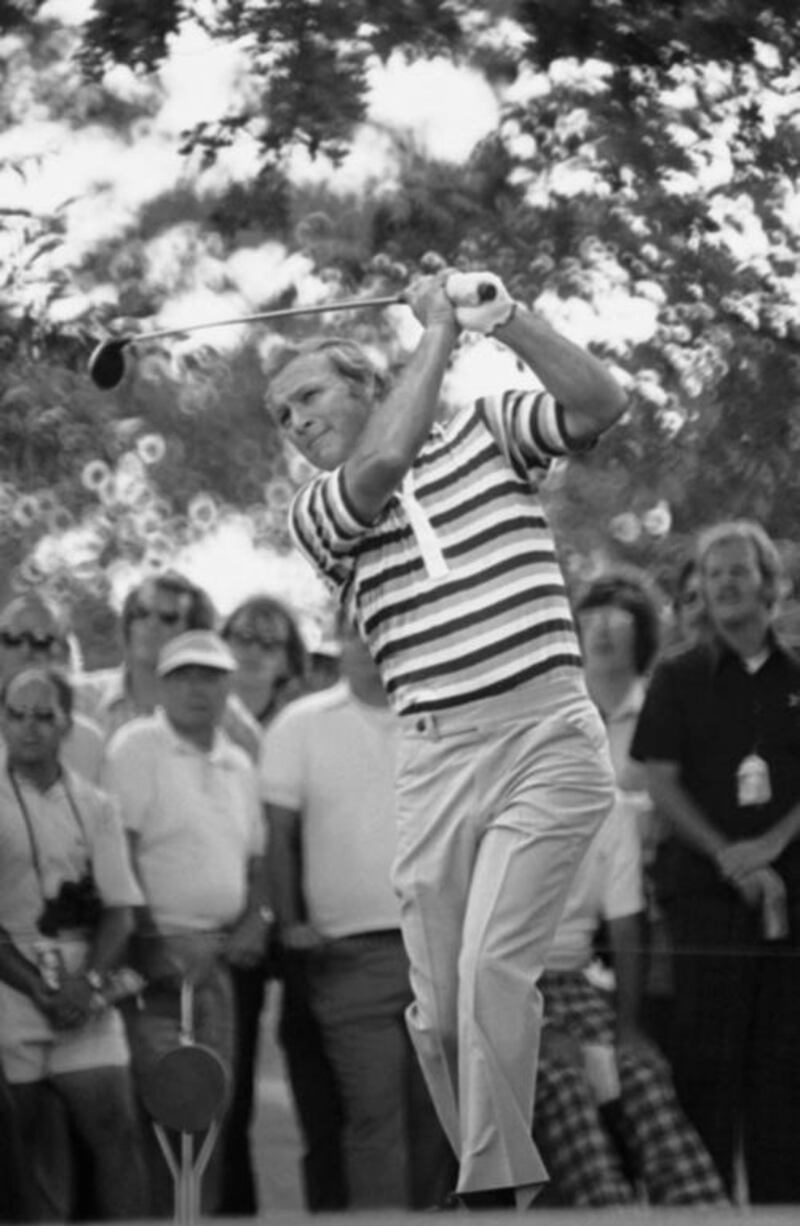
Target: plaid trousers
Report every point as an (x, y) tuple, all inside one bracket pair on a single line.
[(650, 1149)]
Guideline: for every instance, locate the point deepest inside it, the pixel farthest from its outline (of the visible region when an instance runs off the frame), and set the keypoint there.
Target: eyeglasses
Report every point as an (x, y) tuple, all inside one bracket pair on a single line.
[(36, 642), (689, 598), (141, 613), (45, 718), (248, 638)]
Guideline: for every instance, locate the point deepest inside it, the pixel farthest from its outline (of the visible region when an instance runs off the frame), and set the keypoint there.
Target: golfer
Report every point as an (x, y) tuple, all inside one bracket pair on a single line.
[(433, 534)]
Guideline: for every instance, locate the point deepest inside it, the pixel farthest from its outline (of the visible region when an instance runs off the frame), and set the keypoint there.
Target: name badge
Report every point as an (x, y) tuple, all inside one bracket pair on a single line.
[(753, 785)]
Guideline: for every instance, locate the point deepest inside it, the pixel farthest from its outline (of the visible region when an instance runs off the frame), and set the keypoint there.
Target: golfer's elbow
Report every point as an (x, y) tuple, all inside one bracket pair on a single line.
[(611, 403), (588, 416)]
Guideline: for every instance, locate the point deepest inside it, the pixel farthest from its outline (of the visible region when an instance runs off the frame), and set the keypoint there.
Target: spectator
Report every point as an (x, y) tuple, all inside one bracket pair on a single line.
[(190, 805), (327, 777), (618, 625), (272, 669), (66, 892), (271, 658), (154, 612), (607, 1121), (690, 620), (619, 628), (34, 632), (720, 737)]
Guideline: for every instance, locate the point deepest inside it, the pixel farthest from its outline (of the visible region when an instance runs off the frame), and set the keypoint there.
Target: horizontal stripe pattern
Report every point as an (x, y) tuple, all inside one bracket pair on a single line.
[(500, 616)]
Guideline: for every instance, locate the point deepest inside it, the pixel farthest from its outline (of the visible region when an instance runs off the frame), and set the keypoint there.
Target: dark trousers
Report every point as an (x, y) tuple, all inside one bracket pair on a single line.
[(314, 1091), (13, 1162), (239, 1192), (311, 1084), (736, 1039), (395, 1152), (100, 1104)]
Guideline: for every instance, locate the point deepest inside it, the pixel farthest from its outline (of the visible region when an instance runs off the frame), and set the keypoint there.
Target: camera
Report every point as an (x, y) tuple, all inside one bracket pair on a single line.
[(76, 905)]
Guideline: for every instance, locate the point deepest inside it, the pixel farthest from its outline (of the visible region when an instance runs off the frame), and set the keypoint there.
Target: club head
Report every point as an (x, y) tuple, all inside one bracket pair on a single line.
[(107, 363)]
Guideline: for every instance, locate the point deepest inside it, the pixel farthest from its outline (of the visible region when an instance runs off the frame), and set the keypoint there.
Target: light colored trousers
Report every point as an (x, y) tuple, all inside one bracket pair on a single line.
[(497, 803)]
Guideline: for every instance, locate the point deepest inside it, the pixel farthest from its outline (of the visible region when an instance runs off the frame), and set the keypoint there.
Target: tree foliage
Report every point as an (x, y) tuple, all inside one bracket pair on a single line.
[(640, 189)]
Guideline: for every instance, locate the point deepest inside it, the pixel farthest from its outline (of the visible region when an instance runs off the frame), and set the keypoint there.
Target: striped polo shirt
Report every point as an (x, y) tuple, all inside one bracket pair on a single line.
[(492, 612)]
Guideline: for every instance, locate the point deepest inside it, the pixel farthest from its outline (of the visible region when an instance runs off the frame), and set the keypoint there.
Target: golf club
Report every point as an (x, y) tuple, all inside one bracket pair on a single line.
[(107, 361)]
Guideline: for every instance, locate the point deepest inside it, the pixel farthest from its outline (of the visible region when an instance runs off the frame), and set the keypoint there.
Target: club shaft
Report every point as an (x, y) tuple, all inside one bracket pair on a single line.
[(285, 313)]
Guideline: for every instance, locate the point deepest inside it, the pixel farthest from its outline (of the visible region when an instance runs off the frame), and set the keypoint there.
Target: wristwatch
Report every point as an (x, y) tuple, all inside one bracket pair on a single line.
[(94, 980)]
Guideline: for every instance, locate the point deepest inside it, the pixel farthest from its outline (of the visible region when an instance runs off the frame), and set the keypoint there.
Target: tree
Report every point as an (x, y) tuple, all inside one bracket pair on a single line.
[(640, 190)]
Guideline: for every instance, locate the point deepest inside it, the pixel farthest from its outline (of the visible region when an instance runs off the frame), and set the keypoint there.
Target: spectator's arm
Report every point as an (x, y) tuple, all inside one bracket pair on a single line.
[(672, 800), (18, 971), (747, 855), (247, 942), (110, 939), (286, 878), (77, 994)]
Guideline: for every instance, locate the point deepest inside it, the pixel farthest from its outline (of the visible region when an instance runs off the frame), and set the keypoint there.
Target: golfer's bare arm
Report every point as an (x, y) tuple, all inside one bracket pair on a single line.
[(399, 425), (590, 396)]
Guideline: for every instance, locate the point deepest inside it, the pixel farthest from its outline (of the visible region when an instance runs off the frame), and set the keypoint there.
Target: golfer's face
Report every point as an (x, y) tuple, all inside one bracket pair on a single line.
[(319, 411)]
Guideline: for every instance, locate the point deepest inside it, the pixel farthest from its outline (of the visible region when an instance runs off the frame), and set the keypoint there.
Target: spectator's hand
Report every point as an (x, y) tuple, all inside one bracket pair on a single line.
[(428, 299), (247, 944), (481, 300), (560, 1047), (752, 887), (301, 938), (71, 1005), (738, 860)]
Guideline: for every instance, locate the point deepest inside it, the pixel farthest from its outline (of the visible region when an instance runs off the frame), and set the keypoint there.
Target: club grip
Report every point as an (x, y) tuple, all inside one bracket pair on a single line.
[(470, 289)]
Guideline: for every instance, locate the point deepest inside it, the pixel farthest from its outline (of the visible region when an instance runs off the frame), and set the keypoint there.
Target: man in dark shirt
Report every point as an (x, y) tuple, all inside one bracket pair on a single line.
[(720, 736)]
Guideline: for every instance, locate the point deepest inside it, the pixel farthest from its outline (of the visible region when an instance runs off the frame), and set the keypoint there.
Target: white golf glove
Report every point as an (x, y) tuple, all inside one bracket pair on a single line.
[(481, 301)]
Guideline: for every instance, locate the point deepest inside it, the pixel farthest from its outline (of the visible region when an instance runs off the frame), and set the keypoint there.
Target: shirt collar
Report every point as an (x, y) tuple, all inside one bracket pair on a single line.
[(721, 652)]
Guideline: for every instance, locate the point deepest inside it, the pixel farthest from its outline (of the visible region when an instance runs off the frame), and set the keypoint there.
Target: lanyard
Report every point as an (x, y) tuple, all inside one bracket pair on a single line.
[(26, 816)]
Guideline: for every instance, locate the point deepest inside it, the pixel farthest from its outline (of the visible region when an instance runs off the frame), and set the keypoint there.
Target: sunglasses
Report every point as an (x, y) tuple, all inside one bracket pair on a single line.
[(142, 613), (36, 642), (45, 718)]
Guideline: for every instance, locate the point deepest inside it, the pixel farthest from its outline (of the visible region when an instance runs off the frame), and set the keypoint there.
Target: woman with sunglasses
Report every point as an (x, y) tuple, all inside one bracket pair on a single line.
[(33, 633), (272, 658)]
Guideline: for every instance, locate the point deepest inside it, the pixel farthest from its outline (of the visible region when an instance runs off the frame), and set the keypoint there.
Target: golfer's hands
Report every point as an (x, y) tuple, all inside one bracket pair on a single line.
[(69, 1005), (428, 299), (482, 303)]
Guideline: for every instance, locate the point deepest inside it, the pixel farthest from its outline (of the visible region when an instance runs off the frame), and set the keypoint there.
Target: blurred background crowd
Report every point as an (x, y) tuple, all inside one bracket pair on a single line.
[(216, 811)]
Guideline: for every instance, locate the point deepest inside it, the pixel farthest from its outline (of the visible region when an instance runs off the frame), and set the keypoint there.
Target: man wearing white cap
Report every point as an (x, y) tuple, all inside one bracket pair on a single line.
[(190, 805)]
